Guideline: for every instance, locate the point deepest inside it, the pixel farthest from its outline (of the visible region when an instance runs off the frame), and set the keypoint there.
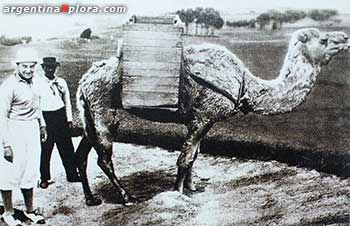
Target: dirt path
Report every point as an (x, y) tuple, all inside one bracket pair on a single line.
[(236, 193)]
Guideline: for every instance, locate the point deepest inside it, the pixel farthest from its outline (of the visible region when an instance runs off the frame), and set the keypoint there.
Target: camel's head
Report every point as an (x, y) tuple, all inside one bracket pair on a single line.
[(320, 47)]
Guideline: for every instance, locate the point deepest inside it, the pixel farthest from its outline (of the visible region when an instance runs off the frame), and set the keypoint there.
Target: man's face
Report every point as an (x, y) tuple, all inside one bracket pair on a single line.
[(26, 69), (49, 70)]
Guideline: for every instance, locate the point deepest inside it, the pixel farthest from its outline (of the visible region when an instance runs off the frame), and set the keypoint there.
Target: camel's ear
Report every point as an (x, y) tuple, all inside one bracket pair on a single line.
[(303, 37)]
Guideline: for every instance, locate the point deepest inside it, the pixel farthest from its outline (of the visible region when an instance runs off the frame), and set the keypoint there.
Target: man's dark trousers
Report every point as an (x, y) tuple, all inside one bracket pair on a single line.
[(59, 133)]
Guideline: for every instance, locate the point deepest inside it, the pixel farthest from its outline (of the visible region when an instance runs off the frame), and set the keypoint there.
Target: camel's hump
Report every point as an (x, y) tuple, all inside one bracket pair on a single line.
[(217, 66)]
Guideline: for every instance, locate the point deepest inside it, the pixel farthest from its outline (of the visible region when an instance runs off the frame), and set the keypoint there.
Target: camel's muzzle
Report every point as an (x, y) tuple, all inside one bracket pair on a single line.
[(339, 40)]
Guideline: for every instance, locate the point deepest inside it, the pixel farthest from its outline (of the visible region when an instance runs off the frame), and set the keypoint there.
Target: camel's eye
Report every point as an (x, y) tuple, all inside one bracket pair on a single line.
[(323, 41)]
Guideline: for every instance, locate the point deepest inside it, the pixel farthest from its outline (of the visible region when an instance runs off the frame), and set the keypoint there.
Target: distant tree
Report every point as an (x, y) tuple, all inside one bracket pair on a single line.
[(197, 17), (274, 25), (322, 14), (252, 23), (212, 20), (263, 19), (277, 19), (292, 16), (218, 23), (203, 18), (6, 41), (208, 18), (239, 23), (187, 16)]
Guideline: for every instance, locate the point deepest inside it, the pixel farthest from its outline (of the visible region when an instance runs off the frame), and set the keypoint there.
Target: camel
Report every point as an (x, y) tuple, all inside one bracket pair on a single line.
[(216, 86)]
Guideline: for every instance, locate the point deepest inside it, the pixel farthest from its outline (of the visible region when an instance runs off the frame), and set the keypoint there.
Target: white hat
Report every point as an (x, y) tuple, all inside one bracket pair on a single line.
[(26, 54)]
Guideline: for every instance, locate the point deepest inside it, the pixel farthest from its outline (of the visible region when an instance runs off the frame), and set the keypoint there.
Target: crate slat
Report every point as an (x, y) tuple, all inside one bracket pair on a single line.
[(151, 99), (161, 66), (149, 54), (154, 20), (149, 84), (152, 27), (153, 34)]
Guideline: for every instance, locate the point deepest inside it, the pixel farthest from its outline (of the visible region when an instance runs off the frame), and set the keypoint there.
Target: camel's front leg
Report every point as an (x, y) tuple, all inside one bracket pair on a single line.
[(188, 183), (104, 153), (189, 154)]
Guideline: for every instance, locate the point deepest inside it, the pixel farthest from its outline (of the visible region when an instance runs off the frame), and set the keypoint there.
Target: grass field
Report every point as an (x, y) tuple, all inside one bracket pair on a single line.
[(320, 125)]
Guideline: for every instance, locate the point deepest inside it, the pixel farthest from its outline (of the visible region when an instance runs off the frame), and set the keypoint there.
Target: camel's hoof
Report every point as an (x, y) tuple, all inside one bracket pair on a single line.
[(130, 200), (128, 204), (191, 187), (193, 190), (93, 201), (179, 188), (197, 189)]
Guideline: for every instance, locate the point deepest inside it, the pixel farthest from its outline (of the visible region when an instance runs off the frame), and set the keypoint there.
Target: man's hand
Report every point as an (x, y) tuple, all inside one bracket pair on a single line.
[(8, 153), (70, 125), (43, 134)]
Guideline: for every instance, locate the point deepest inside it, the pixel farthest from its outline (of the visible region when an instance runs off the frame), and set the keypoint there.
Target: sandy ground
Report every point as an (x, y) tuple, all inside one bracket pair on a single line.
[(234, 192)]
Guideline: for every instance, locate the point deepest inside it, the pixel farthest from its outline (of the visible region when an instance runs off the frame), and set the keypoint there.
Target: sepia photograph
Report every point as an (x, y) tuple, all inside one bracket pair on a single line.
[(174, 113)]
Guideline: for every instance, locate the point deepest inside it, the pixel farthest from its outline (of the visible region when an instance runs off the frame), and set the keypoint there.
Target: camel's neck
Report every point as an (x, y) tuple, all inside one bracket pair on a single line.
[(287, 91)]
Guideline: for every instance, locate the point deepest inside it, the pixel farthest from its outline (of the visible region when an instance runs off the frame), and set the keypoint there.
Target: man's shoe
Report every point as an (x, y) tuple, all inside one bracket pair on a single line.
[(35, 217), (74, 179), (44, 184), (11, 220)]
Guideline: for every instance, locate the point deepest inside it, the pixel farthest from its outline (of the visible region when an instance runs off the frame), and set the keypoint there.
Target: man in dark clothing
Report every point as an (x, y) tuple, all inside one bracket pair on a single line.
[(57, 112)]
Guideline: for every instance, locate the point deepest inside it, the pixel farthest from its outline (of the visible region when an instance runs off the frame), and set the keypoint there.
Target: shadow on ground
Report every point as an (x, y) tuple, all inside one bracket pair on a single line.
[(143, 185)]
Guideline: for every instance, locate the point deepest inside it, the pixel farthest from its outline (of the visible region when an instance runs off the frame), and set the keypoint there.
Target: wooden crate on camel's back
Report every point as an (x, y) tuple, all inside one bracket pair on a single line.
[(151, 62)]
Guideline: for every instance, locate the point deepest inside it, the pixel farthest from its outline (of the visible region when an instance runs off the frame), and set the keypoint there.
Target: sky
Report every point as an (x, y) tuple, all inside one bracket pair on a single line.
[(53, 25)]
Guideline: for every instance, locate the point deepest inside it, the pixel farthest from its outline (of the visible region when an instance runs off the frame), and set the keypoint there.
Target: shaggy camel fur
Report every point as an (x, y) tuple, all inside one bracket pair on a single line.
[(216, 85)]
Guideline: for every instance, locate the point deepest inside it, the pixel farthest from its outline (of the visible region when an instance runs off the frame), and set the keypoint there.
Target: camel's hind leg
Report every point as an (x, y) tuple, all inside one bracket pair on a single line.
[(81, 158), (101, 139), (104, 152), (189, 154)]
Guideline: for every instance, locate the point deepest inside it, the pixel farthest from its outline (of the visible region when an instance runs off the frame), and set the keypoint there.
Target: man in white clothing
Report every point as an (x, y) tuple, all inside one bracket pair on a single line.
[(57, 111), (22, 127)]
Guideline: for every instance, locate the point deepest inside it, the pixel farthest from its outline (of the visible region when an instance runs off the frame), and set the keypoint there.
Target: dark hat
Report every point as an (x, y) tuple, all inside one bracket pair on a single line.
[(50, 61)]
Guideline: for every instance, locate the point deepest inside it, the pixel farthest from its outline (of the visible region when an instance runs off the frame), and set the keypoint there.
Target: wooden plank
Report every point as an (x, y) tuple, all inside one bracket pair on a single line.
[(141, 45), (149, 84), (153, 42), (151, 34), (152, 27), (131, 48), (144, 39), (147, 41), (150, 79), (150, 54), (149, 99), (151, 73), (171, 30), (154, 20), (161, 66), (156, 57), (150, 51), (164, 89)]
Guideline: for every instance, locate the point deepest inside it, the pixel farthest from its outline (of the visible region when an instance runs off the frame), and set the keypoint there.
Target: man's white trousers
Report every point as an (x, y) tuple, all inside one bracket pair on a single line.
[(25, 142)]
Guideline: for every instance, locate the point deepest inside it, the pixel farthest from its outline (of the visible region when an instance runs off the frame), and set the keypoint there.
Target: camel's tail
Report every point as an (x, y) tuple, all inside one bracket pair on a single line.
[(85, 114)]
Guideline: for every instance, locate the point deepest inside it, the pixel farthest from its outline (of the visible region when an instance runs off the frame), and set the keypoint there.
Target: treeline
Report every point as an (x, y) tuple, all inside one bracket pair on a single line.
[(7, 41), (278, 18), (207, 19)]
